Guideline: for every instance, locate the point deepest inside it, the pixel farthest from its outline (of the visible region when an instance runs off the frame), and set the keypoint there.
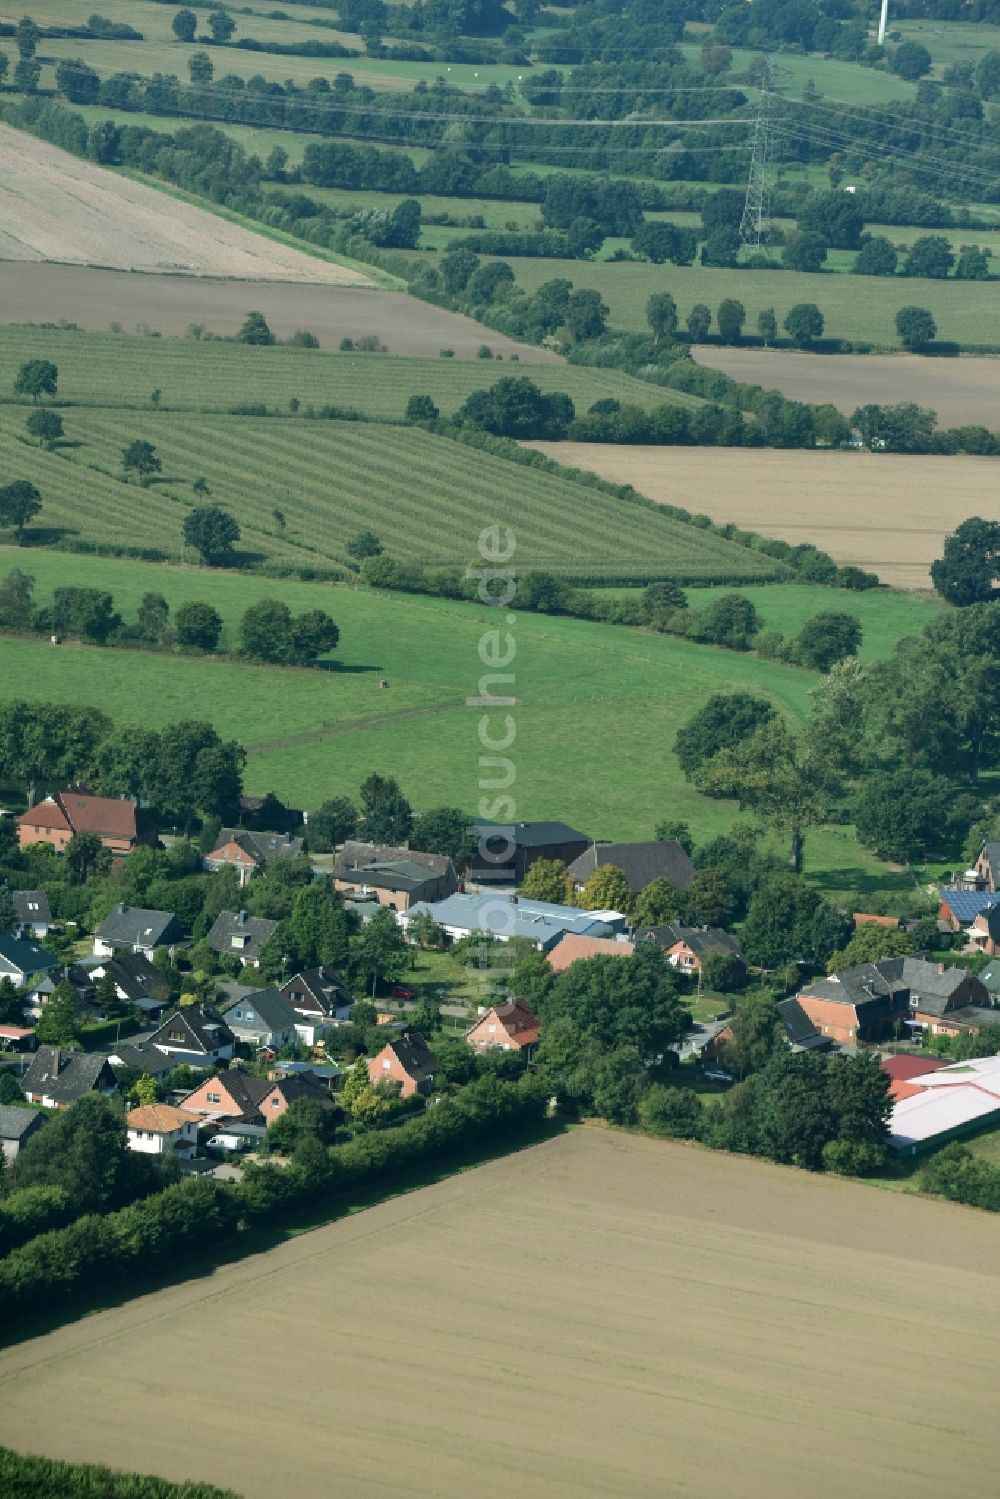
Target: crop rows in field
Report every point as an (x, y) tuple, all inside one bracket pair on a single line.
[(426, 497), (106, 369)]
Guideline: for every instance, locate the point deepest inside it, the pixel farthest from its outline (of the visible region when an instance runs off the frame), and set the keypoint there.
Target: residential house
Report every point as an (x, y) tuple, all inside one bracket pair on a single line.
[(510, 849), (142, 1057), (246, 852), (23, 961), (57, 1078), (236, 1094), (571, 947), (705, 1039), (640, 863), (687, 947), (119, 824), (17, 1126), (800, 1033), (943, 1000), (865, 1002), (134, 929), (137, 981), (984, 933), (262, 1018), (42, 985), (985, 872), (406, 1060), (944, 1103), (394, 877), (234, 934), (512, 1026), (17, 1038), (195, 1034), (327, 1074), (957, 909), (32, 913), (318, 997), (504, 916), (159, 1129)]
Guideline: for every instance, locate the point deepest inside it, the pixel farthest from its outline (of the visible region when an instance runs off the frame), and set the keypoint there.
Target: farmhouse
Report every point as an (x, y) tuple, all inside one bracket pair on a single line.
[(32, 913), (247, 852), (16, 1128), (408, 1061), (393, 877), (58, 1078), (235, 934), (158, 1128), (512, 1025), (511, 848), (134, 929), (119, 824), (570, 948), (196, 1034), (23, 962), (863, 1003), (640, 863)]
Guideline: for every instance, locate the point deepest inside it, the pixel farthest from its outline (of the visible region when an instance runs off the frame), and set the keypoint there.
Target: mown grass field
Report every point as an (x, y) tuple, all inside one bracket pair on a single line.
[(597, 709), (844, 81), (861, 308), (659, 1286), (108, 369), (429, 498)]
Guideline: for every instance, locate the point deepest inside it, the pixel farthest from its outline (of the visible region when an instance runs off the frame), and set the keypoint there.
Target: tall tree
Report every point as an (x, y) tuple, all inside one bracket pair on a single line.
[(387, 816), (36, 377), (212, 532), (20, 502), (379, 953)]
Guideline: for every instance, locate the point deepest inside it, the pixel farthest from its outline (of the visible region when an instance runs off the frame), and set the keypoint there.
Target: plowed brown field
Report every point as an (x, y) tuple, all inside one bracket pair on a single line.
[(599, 1316), (882, 511)]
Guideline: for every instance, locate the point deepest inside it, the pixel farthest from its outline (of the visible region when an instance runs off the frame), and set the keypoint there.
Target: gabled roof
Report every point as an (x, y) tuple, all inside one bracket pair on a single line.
[(988, 921), (516, 1018), (81, 812), (271, 1008), (965, 905), (530, 834), (141, 1057), (704, 940), (413, 1055), (256, 930), (356, 856), (302, 1085), (48, 814), (571, 947), (640, 863), (316, 991), (799, 1029), (17, 1124), (136, 926), (245, 1090), (26, 956), (398, 874), (991, 853), (66, 1075), (261, 847), (140, 979), (203, 1025), (31, 906), (159, 1118)]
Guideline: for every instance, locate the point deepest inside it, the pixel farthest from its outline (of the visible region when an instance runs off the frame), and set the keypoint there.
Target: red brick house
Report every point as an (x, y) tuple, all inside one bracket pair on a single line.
[(119, 824), (236, 1094), (513, 1026), (406, 1060)]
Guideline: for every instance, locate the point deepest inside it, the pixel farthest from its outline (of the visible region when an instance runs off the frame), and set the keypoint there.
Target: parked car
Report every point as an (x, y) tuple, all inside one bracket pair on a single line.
[(399, 992), (716, 1075)]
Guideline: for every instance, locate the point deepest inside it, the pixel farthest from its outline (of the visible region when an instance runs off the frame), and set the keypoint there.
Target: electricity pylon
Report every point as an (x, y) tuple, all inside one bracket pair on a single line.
[(756, 208)]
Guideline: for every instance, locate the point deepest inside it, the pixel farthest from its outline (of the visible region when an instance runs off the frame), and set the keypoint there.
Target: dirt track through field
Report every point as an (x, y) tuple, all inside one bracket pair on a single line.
[(884, 512), (962, 391), (599, 1316), (95, 299), (55, 207)]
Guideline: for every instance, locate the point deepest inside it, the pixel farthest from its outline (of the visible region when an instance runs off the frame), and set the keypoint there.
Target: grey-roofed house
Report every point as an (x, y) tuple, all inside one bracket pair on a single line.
[(137, 982), (800, 1033), (196, 1034), (860, 1003), (135, 929), (640, 863), (16, 1128), (234, 934), (687, 947), (318, 996), (23, 961), (142, 1057), (42, 985), (512, 848), (394, 877), (262, 1018), (32, 913), (57, 1078), (246, 852)]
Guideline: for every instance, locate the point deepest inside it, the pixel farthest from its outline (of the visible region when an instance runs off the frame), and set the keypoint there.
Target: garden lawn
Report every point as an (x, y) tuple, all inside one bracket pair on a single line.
[(597, 707)]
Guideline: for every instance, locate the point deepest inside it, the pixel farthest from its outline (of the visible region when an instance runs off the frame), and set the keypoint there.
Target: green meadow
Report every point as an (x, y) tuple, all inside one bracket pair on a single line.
[(596, 712)]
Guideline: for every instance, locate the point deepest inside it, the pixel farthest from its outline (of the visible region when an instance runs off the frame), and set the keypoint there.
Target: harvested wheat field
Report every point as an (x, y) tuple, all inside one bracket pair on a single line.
[(881, 511), (600, 1315), (54, 206), (961, 391)]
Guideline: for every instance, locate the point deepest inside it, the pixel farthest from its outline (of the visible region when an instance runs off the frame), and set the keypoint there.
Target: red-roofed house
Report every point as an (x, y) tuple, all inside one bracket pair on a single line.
[(119, 824), (513, 1026), (572, 947)]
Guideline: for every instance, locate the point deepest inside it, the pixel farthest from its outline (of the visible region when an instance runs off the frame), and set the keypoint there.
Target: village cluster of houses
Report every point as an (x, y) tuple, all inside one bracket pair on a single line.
[(861, 1005)]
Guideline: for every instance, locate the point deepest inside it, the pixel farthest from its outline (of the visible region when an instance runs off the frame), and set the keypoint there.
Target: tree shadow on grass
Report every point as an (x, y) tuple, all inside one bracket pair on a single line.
[(47, 536), (258, 1240), (345, 668)]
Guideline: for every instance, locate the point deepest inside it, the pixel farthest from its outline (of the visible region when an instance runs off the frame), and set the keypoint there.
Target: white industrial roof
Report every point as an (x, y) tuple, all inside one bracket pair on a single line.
[(924, 1115), (983, 1071)]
